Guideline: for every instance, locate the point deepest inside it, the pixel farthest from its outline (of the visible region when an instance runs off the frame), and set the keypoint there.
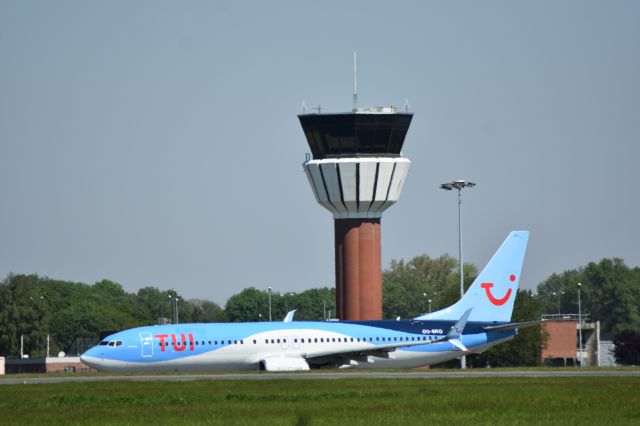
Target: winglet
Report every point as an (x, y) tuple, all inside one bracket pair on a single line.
[(455, 333), (458, 327), (289, 317)]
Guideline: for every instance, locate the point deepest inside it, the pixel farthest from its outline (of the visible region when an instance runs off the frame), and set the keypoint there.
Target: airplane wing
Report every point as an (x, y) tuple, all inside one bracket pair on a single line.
[(384, 350)]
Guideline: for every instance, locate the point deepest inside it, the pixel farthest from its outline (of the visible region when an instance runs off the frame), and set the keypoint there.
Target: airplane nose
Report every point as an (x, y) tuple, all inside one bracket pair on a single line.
[(91, 361)]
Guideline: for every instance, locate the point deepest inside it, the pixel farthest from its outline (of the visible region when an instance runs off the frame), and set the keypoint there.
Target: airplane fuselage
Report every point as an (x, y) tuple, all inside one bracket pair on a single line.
[(285, 346)]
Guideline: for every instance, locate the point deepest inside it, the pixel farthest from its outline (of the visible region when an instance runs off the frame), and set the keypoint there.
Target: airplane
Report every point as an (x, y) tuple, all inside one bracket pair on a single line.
[(479, 320)]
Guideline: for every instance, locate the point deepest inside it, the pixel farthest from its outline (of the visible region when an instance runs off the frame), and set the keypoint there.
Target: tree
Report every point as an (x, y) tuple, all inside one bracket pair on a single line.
[(526, 347), (206, 311), (407, 287), (154, 303), (627, 347), (250, 304), (610, 293), (310, 303)]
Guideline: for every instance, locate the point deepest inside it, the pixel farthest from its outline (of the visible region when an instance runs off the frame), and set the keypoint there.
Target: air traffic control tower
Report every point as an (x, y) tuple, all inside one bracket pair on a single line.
[(357, 172)]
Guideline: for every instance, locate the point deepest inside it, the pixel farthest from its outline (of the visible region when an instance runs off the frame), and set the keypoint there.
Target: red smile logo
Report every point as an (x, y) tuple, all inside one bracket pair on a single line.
[(498, 302)]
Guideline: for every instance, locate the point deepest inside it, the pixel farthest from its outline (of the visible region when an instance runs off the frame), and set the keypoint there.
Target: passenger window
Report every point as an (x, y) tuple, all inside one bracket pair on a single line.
[(254, 341), (316, 340), (333, 339), (209, 341)]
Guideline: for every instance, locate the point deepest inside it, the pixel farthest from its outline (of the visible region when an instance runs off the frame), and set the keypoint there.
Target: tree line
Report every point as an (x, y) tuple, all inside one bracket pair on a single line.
[(34, 307)]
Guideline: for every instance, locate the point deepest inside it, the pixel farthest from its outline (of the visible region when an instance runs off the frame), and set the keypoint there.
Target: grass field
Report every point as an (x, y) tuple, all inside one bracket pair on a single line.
[(562, 401)]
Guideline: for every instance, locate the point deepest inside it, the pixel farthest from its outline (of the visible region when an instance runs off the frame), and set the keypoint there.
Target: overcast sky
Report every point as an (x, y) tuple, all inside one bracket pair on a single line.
[(157, 143)]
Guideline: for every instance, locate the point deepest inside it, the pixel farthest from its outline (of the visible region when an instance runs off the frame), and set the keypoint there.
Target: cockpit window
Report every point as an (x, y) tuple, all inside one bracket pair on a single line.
[(119, 343), (112, 343), (104, 343)]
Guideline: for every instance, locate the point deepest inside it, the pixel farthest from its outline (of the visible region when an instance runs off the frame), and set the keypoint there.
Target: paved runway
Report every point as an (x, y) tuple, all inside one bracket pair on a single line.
[(433, 374)]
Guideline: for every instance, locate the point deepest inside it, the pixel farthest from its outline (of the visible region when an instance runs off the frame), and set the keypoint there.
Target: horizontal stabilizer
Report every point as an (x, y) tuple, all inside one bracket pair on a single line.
[(512, 325)]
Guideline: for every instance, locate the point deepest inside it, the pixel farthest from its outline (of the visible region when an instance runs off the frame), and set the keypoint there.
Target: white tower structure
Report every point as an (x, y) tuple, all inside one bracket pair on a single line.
[(356, 173)]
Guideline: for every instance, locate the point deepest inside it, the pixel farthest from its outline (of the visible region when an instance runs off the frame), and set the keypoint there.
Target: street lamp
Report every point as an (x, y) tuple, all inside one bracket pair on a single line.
[(175, 300), (286, 304), (580, 324), (560, 293), (459, 184), (269, 304)]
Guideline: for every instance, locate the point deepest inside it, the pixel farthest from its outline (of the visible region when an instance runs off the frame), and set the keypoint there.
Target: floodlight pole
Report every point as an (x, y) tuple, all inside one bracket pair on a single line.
[(459, 184), (580, 325), (174, 301), (269, 304)]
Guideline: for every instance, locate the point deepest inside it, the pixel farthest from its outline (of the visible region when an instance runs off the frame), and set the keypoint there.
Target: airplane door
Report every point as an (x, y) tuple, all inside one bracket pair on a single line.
[(147, 344), (284, 343)]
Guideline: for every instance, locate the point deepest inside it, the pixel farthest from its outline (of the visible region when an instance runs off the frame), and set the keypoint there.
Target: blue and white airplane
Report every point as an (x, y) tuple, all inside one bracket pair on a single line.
[(478, 321)]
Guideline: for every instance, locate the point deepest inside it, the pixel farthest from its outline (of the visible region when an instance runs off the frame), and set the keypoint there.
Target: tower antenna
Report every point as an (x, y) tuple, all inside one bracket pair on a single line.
[(355, 84)]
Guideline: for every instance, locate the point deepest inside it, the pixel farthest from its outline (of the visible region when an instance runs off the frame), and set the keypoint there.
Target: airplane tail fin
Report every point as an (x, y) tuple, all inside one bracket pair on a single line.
[(493, 292)]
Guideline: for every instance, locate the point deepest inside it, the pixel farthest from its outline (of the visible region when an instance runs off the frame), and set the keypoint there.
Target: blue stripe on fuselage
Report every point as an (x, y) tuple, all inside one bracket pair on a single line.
[(236, 334)]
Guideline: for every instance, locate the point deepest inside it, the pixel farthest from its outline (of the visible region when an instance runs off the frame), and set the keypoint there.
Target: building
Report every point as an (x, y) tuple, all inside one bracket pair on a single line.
[(67, 364), (563, 344), (357, 172)]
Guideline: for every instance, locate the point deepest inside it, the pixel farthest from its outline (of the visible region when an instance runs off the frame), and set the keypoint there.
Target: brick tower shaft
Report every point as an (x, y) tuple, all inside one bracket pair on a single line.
[(358, 270)]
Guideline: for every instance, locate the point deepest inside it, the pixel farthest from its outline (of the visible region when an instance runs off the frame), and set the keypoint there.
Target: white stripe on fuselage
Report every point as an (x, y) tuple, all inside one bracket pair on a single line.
[(247, 356)]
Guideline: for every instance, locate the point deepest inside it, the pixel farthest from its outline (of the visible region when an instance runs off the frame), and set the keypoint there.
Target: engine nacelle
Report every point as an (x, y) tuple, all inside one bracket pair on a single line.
[(284, 363)]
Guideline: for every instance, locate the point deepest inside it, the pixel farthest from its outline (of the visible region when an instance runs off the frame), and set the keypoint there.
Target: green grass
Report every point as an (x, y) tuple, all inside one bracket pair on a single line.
[(562, 401)]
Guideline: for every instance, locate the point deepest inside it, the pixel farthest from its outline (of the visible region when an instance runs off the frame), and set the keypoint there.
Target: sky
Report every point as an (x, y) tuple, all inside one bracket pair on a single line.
[(156, 143)]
